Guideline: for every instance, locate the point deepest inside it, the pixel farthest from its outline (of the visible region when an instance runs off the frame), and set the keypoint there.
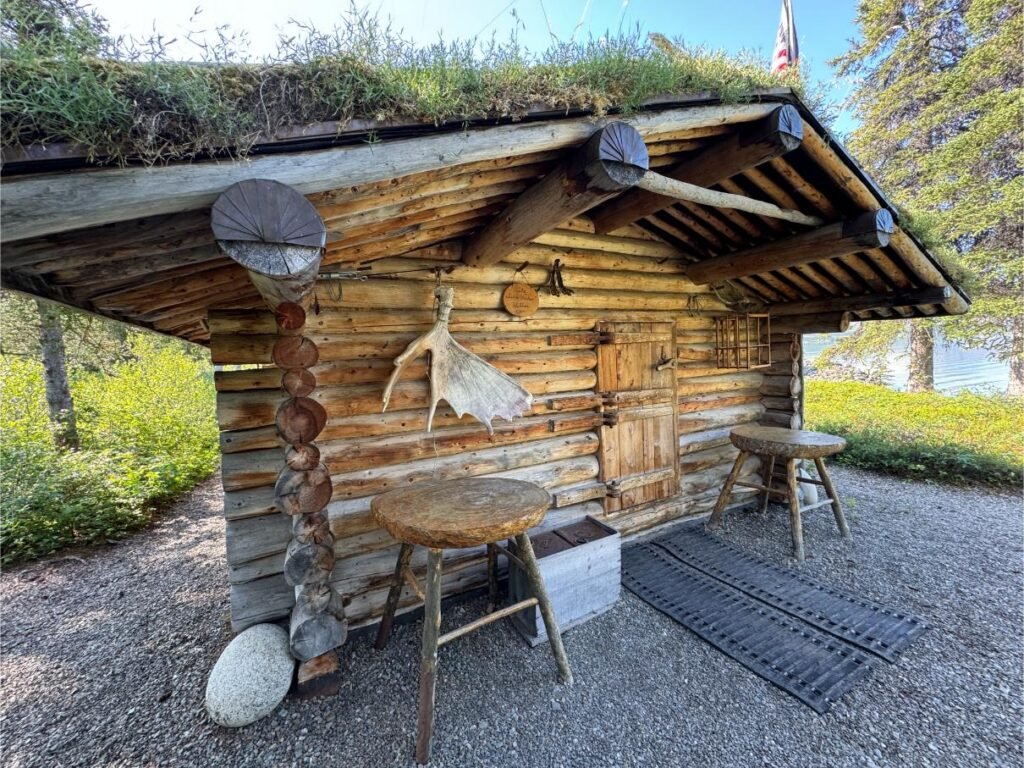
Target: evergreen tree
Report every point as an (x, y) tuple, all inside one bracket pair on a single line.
[(941, 111)]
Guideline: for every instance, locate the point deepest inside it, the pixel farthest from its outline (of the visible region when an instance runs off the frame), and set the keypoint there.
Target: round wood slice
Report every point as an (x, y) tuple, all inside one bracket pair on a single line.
[(307, 563), (303, 493), (266, 211), (302, 457), (300, 420), (295, 352), (461, 513), (290, 316), (298, 382), (313, 529), (520, 300)]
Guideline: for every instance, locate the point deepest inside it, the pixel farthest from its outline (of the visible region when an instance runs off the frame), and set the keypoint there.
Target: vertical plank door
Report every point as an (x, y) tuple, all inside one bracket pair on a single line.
[(639, 442)]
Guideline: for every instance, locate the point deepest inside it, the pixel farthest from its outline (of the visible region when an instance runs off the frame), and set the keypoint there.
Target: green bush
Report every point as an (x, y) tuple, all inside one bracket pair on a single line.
[(148, 432), (966, 438)]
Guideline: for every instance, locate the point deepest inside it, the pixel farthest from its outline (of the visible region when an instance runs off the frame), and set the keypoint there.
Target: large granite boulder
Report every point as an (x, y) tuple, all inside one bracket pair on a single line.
[(251, 677)]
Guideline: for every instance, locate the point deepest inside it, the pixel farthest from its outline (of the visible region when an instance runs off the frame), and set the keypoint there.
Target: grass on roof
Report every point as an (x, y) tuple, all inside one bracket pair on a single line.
[(64, 79)]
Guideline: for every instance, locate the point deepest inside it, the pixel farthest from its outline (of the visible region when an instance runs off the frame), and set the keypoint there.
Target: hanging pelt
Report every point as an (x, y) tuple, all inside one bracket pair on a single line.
[(469, 384)]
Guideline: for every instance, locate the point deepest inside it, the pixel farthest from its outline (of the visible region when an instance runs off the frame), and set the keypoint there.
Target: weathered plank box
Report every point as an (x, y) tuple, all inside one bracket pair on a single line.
[(582, 569)]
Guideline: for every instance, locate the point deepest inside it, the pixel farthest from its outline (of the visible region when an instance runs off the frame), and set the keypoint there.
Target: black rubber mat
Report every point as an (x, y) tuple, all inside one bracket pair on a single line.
[(812, 665), (857, 621)]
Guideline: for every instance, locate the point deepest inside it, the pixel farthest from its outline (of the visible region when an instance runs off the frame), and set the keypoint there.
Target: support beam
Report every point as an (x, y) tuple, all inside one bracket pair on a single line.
[(867, 231), (681, 190), (613, 159), (823, 322), (756, 143), (916, 298)]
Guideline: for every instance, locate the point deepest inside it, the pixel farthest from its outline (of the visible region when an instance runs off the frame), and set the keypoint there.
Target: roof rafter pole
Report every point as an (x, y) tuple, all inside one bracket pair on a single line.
[(681, 190), (614, 158), (755, 143), (38, 205), (916, 298), (821, 322), (867, 231)]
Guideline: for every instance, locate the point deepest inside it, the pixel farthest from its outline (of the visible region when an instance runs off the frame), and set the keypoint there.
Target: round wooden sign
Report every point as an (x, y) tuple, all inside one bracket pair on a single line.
[(520, 300)]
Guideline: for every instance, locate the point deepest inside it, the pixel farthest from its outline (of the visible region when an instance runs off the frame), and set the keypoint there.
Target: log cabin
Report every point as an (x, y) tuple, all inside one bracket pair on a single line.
[(632, 399)]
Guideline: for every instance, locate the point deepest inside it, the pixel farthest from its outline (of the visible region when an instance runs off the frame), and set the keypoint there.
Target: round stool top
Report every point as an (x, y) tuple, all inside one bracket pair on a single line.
[(461, 513), (786, 443)]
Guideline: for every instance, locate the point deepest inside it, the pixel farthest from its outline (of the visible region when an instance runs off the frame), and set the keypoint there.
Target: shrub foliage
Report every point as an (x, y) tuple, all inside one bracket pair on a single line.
[(148, 433), (968, 438)]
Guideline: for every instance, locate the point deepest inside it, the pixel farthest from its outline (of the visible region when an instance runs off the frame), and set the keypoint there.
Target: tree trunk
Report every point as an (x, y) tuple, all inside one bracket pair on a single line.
[(55, 376), (1015, 387), (922, 358)]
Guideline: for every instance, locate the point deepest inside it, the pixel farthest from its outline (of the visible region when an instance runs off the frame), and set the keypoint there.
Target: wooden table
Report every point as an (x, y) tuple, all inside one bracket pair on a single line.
[(456, 514), (792, 445)]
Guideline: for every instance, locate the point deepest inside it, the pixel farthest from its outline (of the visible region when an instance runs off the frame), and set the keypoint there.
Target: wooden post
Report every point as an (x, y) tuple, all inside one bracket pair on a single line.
[(277, 235)]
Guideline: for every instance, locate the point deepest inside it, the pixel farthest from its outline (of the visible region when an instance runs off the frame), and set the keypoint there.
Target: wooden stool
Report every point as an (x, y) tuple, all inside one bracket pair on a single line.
[(792, 445), (457, 514)]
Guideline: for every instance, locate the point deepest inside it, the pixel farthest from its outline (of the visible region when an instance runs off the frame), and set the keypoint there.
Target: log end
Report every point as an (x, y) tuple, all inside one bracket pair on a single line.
[(318, 677), (872, 229)]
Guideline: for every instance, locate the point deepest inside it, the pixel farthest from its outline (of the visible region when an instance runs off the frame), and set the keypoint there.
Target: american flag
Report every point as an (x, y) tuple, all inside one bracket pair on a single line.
[(787, 52)]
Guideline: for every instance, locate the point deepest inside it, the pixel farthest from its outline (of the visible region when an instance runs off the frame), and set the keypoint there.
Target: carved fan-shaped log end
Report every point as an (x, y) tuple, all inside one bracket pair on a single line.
[(266, 211)]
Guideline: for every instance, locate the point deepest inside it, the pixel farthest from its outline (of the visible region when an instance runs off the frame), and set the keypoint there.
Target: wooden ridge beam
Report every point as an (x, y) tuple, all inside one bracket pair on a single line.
[(756, 143), (613, 158), (38, 205), (867, 231), (913, 298)]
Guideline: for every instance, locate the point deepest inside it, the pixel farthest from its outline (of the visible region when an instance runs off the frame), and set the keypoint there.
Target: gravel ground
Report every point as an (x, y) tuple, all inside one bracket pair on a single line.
[(105, 660)]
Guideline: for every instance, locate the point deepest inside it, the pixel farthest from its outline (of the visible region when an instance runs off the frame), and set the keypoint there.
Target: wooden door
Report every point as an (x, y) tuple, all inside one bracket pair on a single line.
[(639, 444)]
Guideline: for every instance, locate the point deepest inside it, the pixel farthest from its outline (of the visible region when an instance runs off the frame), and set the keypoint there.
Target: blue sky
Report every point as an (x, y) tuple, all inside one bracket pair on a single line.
[(823, 26)]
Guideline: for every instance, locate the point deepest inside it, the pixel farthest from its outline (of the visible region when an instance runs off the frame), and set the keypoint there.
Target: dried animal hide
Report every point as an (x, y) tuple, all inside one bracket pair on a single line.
[(469, 384)]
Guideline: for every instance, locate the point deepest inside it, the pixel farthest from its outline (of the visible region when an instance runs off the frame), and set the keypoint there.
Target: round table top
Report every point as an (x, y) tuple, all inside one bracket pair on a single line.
[(461, 513), (786, 443)]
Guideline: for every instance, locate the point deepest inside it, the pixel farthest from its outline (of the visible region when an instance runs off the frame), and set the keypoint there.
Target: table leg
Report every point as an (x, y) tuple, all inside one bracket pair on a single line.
[(546, 610), (837, 508), (795, 524), (391, 605), (428, 657), (492, 577), (767, 480), (716, 515)]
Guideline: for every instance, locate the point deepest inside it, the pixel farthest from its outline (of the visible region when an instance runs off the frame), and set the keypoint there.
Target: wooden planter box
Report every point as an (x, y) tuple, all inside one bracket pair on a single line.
[(581, 566)]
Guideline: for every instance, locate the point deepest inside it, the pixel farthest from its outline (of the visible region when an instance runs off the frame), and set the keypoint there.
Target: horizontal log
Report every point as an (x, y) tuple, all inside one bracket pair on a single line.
[(255, 468), (721, 383), (369, 370), (791, 404), (913, 298), (635, 521), (722, 455), (824, 322), (781, 419), (718, 400), (781, 386), (867, 231), (244, 410), (701, 421), (702, 441)]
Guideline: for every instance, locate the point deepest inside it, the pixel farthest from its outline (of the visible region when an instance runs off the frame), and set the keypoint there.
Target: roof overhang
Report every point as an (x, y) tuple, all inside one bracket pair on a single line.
[(135, 243)]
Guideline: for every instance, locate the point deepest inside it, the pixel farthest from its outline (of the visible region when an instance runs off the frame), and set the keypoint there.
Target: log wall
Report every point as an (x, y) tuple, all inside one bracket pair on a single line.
[(359, 329)]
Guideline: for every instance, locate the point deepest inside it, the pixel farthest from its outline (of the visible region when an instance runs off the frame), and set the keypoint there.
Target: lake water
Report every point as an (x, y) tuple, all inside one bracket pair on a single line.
[(956, 368)]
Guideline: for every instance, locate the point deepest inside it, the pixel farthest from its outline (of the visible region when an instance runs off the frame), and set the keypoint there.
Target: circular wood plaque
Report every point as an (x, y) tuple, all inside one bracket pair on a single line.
[(520, 300)]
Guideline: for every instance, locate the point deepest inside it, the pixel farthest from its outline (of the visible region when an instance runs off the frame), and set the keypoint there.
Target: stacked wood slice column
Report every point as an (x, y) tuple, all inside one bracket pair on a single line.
[(277, 235), (303, 490)]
